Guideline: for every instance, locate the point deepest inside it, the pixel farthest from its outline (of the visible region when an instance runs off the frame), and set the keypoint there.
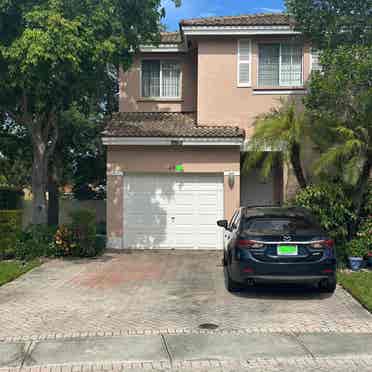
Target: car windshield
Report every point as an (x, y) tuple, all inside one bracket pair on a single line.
[(280, 226)]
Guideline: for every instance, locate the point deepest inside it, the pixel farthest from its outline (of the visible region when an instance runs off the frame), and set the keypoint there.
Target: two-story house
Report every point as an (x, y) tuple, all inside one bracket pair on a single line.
[(187, 108)]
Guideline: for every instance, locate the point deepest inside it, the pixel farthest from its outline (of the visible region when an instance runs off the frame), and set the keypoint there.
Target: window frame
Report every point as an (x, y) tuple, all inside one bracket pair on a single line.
[(249, 62), (160, 97), (285, 87)]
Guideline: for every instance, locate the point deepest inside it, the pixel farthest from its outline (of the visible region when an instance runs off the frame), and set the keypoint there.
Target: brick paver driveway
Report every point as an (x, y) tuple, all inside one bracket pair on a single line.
[(157, 291)]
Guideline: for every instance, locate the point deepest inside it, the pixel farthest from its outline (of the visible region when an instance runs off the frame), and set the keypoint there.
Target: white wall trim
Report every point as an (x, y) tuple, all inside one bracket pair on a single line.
[(174, 141), (116, 173), (247, 146), (163, 48), (238, 30), (263, 92), (235, 173)]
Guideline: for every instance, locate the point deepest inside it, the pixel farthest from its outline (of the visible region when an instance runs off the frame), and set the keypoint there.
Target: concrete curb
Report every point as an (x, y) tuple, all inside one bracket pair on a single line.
[(361, 328)]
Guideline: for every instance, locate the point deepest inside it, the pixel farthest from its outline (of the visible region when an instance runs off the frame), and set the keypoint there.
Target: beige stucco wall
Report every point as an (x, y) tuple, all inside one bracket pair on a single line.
[(209, 84), (122, 159), (130, 92), (220, 100)]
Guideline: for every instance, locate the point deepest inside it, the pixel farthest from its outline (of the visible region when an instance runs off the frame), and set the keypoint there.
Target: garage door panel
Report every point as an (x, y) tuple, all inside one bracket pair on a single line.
[(173, 211), (146, 241), (145, 219)]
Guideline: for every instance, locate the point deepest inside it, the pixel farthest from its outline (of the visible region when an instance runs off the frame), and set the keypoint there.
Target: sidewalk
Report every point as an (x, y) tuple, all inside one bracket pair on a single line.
[(202, 352)]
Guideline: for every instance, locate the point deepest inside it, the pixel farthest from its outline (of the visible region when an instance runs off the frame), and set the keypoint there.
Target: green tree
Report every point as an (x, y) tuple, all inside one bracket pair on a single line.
[(79, 157), (339, 103), (330, 23), (282, 133), (15, 155), (53, 54)]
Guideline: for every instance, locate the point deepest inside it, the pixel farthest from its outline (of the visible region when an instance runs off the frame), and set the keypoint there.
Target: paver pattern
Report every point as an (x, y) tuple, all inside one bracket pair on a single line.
[(157, 292), (363, 364)]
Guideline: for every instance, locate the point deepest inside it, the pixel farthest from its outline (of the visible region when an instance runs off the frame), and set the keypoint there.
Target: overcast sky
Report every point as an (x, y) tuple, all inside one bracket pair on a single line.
[(210, 8)]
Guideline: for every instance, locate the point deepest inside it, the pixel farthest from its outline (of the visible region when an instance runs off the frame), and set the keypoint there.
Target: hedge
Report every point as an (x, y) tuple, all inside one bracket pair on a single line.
[(9, 198), (10, 225)]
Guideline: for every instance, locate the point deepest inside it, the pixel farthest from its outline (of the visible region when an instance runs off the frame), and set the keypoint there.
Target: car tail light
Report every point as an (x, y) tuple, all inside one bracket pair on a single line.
[(249, 244), (323, 244)]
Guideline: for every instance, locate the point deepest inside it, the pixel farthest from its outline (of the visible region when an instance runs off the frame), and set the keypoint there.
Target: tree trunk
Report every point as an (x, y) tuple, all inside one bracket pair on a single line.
[(39, 172), (53, 203), (359, 194), (295, 158), (44, 138)]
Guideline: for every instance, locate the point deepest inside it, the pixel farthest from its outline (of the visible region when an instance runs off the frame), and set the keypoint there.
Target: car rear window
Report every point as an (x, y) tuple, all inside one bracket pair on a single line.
[(280, 226)]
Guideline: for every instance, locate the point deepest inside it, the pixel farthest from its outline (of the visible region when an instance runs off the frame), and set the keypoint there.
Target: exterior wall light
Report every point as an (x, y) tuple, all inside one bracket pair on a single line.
[(231, 179)]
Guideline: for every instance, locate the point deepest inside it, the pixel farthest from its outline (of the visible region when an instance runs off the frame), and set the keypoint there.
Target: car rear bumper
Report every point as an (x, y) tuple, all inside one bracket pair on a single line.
[(287, 279), (283, 272)]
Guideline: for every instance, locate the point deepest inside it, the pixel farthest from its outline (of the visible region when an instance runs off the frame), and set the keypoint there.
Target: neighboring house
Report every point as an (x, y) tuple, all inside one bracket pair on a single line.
[(187, 108)]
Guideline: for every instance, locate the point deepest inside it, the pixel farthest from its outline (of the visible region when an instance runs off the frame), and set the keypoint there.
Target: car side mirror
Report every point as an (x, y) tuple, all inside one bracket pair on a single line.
[(223, 223)]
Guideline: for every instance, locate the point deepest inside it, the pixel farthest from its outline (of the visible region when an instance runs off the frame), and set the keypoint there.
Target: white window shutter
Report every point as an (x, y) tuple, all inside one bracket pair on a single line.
[(244, 62), (315, 62)]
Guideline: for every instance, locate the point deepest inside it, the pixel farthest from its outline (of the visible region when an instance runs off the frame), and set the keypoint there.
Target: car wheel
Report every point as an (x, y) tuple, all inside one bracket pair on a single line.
[(231, 285), (224, 260), (328, 285)]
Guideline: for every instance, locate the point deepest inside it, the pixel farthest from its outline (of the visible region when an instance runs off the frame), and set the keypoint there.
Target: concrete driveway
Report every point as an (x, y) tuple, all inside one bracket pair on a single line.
[(154, 291), (171, 309)]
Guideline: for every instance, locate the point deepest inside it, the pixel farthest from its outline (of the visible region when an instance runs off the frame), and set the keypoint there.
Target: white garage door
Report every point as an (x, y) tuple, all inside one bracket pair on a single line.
[(173, 211)]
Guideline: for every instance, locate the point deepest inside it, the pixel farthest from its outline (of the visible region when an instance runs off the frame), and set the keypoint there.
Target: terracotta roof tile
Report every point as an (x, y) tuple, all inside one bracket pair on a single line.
[(165, 124), (267, 19), (170, 37)]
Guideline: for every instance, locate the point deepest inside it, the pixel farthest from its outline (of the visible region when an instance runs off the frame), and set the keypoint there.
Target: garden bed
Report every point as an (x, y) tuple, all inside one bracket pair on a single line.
[(10, 270)]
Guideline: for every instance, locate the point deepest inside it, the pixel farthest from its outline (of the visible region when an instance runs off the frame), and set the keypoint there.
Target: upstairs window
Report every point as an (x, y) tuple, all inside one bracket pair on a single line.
[(244, 63), (280, 65), (160, 79)]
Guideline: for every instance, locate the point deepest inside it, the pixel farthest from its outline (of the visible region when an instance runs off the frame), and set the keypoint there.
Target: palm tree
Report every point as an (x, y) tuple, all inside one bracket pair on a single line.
[(278, 135), (340, 103)]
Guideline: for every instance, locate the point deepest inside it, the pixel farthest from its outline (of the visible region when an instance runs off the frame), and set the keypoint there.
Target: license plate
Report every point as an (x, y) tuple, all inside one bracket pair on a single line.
[(287, 250)]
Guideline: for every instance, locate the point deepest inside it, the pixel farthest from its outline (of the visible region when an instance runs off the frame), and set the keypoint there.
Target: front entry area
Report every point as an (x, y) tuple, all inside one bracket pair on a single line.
[(256, 191), (173, 211)]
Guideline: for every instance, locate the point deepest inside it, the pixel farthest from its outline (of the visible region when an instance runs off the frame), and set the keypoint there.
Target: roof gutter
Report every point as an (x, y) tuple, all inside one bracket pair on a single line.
[(164, 48), (172, 141), (238, 30)]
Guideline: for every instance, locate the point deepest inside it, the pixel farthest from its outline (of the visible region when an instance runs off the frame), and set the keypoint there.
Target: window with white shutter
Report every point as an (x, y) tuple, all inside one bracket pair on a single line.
[(244, 62)]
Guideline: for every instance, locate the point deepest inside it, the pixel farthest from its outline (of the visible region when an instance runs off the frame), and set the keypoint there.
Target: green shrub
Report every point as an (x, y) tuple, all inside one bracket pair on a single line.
[(331, 206), (362, 243), (35, 241), (356, 248), (10, 226), (83, 225), (10, 198), (79, 239), (364, 234)]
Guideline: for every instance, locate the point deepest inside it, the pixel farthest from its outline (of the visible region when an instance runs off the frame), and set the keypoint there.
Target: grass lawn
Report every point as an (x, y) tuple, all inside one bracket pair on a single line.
[(359, 285), (10, 270)]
